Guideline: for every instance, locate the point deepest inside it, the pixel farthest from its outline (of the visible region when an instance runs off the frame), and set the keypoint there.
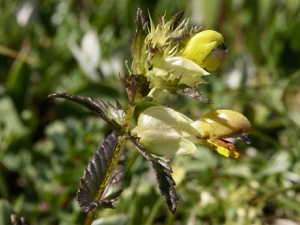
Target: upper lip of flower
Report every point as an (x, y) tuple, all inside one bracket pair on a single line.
[(244, 138)]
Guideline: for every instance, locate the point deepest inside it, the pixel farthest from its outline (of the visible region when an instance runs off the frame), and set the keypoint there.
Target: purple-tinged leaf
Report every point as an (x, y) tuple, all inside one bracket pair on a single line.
[(138, 46), (163, 171), (114, 116), (94, 176)]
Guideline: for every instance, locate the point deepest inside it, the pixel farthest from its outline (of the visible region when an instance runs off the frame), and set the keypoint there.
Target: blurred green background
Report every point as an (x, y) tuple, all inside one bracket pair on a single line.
[(80, 47)]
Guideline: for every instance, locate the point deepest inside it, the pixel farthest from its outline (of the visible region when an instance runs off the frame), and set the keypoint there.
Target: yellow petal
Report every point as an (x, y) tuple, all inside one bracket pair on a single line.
[(220, 149), (200, 46)]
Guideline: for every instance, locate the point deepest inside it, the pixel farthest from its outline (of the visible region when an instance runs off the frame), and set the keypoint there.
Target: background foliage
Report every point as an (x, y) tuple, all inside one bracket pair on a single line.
[(45, 145)]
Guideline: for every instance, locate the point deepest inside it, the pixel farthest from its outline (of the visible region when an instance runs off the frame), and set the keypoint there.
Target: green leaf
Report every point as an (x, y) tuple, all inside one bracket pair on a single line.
[(17, 82), (5, 212)]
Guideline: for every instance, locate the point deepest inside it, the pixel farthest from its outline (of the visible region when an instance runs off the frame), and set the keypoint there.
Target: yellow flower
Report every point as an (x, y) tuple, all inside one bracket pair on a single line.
[(223, 123), (218, 125), (163, 131), (172, 57)]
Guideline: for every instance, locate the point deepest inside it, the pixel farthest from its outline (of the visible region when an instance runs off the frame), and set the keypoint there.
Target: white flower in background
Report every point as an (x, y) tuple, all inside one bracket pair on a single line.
[(25, 12), (88, 55), (243, 71), (114, 65)]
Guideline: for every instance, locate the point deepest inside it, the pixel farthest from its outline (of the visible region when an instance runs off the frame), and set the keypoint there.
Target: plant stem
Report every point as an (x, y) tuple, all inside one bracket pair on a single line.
[(89, 218), (271, 194), (122, 139)]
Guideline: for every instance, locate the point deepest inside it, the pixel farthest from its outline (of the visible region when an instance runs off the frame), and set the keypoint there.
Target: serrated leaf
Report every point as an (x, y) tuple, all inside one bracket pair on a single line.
[(114, 116), (94, 176), (163, 172), (166, 183), (138, 46), (136, 87)]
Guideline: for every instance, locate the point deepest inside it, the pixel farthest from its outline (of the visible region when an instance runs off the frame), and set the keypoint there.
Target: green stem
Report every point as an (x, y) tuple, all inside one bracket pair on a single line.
[(14, 54), (122, 139), (278, 191), (89, 218), (271, 194)]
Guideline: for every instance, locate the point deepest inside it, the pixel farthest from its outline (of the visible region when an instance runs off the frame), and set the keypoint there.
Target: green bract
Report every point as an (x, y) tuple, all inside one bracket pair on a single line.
[(172, 57)]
